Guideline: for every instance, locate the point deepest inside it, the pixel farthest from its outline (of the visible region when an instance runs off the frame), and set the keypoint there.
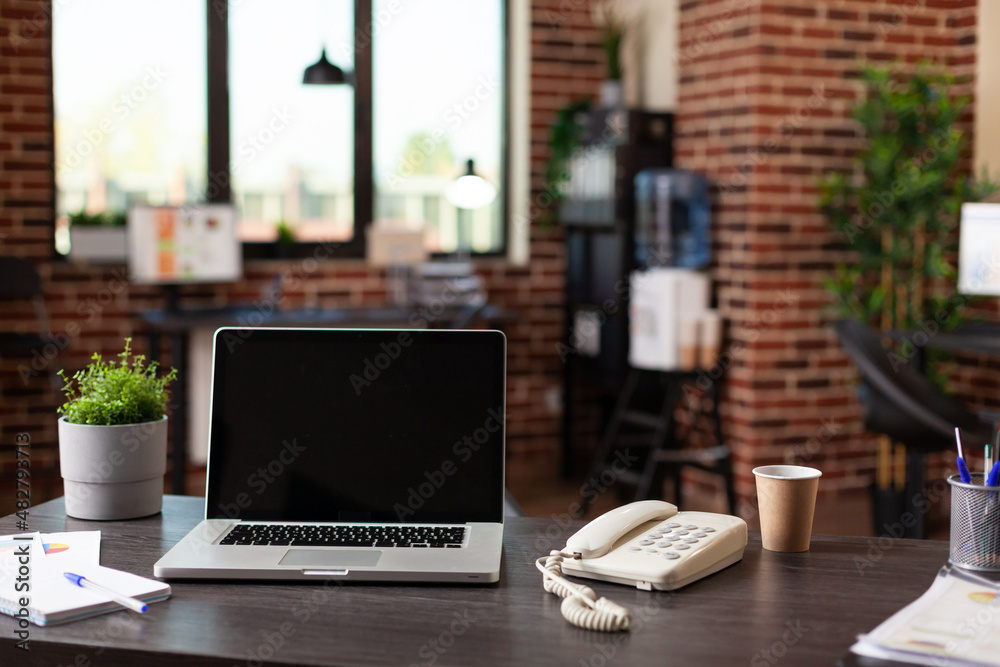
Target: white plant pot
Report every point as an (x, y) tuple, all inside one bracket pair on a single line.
[(612, 94), (97, 244), (113, 472)]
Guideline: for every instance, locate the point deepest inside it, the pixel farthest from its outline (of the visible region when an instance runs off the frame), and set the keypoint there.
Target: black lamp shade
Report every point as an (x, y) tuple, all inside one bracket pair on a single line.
[(324, 72)]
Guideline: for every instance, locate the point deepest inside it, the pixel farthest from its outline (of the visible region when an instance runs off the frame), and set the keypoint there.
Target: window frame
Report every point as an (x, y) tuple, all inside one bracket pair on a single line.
[(218, 153)]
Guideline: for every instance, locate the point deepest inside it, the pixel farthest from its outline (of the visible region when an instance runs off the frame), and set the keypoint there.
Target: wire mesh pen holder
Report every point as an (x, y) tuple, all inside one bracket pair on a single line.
[(975, 524)]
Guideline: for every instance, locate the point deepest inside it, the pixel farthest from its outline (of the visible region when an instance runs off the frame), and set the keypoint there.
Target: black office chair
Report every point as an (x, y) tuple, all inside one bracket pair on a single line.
[(901, 403), (19, 281)]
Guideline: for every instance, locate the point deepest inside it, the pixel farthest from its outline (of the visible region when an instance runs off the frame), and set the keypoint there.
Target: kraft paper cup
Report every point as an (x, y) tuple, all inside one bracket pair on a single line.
[(786, 496)]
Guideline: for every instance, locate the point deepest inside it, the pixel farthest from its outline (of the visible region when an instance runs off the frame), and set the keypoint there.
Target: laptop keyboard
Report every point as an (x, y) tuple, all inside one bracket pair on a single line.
[(426, 537)]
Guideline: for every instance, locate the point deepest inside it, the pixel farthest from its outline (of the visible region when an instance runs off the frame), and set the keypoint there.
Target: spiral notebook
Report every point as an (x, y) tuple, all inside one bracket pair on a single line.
[(51, 598)]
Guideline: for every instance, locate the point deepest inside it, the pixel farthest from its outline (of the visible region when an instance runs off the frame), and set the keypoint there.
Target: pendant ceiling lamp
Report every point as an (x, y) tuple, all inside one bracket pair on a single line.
[(323, 72)]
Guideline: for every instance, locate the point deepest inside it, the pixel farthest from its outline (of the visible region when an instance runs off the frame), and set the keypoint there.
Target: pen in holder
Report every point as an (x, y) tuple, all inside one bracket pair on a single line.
[(975, 524)]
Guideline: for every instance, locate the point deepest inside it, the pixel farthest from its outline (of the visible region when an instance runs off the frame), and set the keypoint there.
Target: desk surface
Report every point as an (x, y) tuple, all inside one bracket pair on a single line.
[(438, 315), (801, 609)]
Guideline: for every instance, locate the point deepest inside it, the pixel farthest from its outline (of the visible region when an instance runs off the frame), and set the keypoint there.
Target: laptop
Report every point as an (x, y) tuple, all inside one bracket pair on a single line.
[(350, 454)]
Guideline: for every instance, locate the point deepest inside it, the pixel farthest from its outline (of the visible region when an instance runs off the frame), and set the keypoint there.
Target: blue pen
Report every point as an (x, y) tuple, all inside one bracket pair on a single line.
[(963, 470), (994, 477), (124, 600)]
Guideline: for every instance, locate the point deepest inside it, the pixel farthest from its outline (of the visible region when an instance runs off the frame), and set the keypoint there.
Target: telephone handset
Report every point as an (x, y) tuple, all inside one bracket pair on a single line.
[(647, 544)]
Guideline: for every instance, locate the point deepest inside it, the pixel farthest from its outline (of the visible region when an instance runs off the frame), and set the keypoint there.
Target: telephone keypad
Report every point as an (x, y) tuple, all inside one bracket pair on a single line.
[(667, 540)]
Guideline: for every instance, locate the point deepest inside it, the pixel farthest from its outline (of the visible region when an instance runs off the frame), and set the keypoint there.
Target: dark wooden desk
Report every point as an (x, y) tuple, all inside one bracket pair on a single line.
[(796, 609), (178, 324)]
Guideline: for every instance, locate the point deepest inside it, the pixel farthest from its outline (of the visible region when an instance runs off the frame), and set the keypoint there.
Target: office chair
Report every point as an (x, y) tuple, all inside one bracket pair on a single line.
[(19, 281), (901, 403)]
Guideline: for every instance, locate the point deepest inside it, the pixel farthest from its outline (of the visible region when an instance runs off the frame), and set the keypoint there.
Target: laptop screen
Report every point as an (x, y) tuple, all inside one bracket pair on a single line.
[(357, 425)]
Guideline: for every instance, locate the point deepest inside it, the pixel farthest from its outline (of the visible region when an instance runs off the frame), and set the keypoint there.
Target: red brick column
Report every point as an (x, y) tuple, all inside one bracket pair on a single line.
[(765, 93)]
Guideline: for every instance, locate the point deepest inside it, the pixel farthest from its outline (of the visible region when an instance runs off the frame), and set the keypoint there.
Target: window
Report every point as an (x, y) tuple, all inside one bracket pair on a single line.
[(291, 146), (428, 94), (127, 129), (438, 72)]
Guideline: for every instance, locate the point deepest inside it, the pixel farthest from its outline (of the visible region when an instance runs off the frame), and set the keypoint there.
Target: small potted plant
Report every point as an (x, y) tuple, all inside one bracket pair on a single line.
[(113, 438), (284, 238), (607, 16), (97, 238)]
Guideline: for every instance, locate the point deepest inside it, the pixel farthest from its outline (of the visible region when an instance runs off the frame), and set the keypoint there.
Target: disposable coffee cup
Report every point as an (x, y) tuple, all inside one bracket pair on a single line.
[(786, 497), (710, 338), (688, 337)]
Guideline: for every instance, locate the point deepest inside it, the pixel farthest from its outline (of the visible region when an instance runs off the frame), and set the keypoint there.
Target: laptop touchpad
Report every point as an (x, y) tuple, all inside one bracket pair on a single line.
[(330, 558)]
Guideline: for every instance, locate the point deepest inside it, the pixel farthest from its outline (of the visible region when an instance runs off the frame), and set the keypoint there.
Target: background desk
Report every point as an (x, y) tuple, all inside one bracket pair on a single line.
[(179, 325), (804, 608)]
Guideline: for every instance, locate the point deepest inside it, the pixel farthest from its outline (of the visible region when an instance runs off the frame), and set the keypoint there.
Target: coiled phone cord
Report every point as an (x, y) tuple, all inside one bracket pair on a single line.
[(581, 606)]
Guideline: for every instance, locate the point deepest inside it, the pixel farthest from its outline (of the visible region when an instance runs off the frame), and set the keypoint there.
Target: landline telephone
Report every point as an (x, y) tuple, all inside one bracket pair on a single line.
[(647, 544)]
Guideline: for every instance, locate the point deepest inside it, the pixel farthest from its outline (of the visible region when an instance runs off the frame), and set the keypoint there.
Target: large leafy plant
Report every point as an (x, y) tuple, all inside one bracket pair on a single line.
[(106, 393), (899, 208)]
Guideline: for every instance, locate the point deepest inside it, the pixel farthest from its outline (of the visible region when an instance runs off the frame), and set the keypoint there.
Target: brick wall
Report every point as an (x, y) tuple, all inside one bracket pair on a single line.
[(93, 308), (765, 93), (763, 110)]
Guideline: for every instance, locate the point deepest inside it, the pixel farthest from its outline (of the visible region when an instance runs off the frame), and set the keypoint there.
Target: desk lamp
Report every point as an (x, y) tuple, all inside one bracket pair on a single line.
[(467, 193)]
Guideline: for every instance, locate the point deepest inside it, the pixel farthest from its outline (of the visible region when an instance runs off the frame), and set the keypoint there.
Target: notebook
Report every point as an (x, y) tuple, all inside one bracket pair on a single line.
[(352, 454), (51, 598)]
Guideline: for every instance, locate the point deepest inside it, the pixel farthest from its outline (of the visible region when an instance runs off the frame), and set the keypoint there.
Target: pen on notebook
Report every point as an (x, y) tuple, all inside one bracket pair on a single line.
[(124, 600), (963, 469)]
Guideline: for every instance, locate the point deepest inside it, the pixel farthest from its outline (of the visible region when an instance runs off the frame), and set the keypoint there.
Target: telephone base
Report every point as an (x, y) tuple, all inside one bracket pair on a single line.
[(667, 554), (653, 586)]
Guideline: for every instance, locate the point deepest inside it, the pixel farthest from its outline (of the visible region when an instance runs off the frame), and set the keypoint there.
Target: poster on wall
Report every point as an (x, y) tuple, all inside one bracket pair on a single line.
[(183, 244)]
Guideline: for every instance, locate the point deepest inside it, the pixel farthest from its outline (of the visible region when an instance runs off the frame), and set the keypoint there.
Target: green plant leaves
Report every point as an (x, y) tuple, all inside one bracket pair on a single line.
[(106, 393), (898, 209)]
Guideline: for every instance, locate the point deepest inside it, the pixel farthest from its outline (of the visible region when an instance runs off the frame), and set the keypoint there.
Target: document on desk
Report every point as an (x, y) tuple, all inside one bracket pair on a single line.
[(956, 622), (32, 568)]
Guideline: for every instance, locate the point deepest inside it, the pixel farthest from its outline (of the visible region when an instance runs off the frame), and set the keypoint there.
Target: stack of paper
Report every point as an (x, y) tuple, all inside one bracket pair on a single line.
[(956, 622), (32, 570)]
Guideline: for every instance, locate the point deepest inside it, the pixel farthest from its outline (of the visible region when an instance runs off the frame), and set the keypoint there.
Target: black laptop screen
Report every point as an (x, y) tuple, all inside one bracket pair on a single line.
[(348, 425)]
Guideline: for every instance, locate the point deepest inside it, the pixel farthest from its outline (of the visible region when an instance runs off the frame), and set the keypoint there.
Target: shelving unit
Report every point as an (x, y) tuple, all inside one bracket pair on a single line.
[(598, 214)]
